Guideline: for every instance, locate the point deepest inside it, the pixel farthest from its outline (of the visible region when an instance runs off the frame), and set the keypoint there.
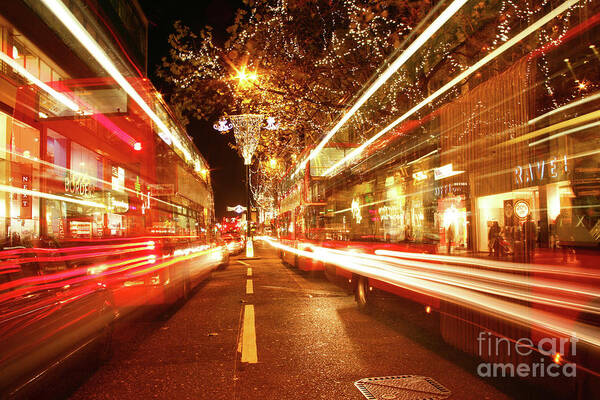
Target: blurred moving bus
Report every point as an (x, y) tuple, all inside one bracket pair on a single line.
[(472, 184), (106, 204)]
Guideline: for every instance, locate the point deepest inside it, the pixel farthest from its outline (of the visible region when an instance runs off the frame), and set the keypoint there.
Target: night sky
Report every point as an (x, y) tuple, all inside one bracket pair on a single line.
[(227, 169)]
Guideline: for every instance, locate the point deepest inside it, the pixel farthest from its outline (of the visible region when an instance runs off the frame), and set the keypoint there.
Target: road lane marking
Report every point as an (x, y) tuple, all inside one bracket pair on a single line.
[(249, 287), (241, 262), (249, 271), (249, 353)]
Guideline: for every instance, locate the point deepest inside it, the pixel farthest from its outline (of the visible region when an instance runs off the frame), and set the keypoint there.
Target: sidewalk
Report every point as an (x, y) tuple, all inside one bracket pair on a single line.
[(540, 256)]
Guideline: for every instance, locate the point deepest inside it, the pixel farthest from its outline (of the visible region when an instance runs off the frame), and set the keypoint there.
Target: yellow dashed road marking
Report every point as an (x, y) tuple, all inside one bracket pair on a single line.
[(249, 353)]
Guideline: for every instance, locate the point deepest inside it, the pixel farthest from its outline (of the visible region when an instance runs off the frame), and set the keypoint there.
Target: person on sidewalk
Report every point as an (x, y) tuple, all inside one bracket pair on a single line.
[(450, 237), (530, 234), (493, 239)]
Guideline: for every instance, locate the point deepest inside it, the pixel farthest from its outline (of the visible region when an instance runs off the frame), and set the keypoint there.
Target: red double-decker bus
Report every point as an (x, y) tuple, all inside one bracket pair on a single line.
[(100, 214), (472, 187)]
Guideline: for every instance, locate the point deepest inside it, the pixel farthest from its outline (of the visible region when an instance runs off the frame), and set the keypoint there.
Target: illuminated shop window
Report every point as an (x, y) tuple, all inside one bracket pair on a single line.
[(85, 162), (56, 174)]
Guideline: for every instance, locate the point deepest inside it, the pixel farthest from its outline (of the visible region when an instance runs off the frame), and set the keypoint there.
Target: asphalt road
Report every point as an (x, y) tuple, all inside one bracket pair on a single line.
[(311, 343)]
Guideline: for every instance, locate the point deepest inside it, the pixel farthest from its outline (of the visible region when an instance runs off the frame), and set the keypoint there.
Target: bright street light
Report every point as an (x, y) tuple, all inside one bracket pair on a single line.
[(244, 77)]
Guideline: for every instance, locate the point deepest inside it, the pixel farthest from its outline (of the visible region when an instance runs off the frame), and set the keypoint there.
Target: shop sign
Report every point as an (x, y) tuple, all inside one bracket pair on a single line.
[(445, 171), (61, 228), (456, 188), (79, 185), (238, 209), (81, 229), (393, 213), (118, 179), (165, 189), (26, 208), (117, 205), (145, 202), (120, 204), (419, 176), (521, 209), (138, 186), (25, 198), (536, 172)]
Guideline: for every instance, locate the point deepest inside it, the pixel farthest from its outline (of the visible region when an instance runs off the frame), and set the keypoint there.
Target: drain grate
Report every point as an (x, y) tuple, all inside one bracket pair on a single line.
[(402, 387)]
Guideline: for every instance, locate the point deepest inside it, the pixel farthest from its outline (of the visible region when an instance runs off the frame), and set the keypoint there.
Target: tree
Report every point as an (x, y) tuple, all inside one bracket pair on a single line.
[(300, 61)]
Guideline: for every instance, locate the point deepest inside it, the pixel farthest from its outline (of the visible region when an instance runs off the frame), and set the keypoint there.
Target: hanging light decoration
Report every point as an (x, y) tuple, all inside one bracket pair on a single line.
[(246, 128), (271, 125), (223, 125)]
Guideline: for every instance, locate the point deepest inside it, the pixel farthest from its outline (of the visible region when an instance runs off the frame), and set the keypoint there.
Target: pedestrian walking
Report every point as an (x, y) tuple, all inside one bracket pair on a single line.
[(530, 233), (450, 237), (493, 239)]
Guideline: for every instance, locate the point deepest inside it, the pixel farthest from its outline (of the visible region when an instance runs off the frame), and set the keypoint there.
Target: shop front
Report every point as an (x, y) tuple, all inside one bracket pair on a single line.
[(541, 191), (393, 213), (395, 206), (451, 218)]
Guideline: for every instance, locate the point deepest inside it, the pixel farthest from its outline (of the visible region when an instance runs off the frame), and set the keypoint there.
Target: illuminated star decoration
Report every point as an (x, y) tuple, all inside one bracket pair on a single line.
[(223, 125), (271, 125)]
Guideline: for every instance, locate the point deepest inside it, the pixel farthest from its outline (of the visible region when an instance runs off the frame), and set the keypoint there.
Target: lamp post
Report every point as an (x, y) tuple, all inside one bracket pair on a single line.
[(246, 129)]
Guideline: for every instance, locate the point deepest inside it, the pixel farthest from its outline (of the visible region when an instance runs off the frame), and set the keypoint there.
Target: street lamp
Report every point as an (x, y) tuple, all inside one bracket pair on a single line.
[(246, 129), (245, 78)]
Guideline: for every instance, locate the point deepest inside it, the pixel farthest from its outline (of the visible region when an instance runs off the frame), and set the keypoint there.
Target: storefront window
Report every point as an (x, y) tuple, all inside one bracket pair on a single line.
[(452, 221), (87, 163), (84, 181), (56, 155), (56, 211), (509, 211)]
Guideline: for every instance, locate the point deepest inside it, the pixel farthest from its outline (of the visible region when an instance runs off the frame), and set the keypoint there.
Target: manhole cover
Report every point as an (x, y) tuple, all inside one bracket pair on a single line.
[(403, 387)]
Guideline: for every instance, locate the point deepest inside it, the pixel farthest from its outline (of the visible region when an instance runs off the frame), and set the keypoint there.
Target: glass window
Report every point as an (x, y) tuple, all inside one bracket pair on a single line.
[(56, 149), (56, 178), (45, 72), (86, 163), (86, 173)]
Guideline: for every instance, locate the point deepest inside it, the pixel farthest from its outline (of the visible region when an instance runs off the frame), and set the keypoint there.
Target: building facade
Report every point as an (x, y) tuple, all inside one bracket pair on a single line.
[(88, 148)]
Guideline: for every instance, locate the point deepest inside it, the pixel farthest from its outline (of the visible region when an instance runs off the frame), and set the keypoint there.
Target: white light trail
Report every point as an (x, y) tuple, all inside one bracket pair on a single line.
[(564, 133), (564, 108), (82, 35), (76, 173), (477, 289), (34, 193), (495, 53), (406, 54), (490, 264), (30, 77), (422, 157)]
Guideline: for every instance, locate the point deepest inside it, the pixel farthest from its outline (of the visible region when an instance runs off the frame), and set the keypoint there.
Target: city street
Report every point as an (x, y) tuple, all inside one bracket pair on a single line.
[(311, 340), (289, 199)]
